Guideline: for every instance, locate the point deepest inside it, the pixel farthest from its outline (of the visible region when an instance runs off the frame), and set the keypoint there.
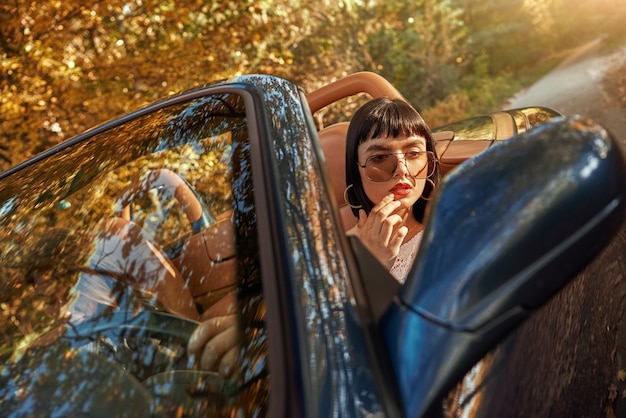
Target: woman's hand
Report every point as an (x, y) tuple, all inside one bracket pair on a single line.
[(383, 231), (217, 340)]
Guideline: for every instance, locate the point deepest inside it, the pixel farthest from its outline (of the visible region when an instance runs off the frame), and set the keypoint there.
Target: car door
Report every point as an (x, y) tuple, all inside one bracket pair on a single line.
[(212, 204), (115, 247)]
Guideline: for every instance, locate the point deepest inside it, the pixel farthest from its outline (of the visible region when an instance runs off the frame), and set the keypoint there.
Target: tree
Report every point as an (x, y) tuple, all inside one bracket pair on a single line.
[(418, 47), (69, 66)]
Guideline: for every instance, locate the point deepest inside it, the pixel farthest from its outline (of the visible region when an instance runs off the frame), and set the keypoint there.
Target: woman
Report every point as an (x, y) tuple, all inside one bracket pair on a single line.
[(391, 171), (390, 160)]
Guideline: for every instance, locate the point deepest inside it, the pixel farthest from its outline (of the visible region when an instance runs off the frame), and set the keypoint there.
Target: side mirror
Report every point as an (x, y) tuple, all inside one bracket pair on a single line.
[(507, 230)]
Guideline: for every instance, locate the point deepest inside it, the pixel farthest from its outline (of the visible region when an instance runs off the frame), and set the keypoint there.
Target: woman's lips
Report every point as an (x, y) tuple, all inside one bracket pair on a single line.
[(401, 189)]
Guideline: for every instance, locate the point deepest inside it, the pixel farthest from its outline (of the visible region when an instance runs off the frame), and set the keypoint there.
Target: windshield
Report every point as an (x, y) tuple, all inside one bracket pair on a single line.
[(115, 249)]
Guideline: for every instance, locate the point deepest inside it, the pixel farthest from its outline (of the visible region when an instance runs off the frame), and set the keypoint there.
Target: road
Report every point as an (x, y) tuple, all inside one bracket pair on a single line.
[(575, 87), (575, 363)]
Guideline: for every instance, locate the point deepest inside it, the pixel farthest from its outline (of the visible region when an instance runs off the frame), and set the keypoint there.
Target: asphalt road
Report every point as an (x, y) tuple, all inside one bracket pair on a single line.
[(575, 362), (575, 87)]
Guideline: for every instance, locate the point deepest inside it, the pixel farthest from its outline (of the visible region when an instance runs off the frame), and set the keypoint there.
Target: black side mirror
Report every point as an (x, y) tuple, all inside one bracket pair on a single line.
[(509, 228)]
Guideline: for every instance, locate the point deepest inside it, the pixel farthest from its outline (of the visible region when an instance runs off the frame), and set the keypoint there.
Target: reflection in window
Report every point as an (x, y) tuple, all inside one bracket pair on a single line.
[(114, 250)]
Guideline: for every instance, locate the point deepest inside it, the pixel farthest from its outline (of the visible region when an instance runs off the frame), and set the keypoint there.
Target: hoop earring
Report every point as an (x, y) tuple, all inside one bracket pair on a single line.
[(432, 190), (345, 197)]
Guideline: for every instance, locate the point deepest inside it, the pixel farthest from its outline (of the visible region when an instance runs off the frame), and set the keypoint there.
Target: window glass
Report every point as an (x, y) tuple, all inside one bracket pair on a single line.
[(115, 250)]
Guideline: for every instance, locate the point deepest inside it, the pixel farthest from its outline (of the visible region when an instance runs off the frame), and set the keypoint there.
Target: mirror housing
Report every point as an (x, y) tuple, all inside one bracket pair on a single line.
[(507, 230)]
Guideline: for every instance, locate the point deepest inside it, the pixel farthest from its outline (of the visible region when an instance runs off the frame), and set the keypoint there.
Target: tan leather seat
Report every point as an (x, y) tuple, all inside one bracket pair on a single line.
[(208, 263), (333, 141), (124, 250), (170, 181)]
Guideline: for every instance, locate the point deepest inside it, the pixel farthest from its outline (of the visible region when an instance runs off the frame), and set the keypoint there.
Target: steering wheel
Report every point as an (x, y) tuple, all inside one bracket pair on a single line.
[(137, 340), (144, 324), (146, 343), (198, 215)]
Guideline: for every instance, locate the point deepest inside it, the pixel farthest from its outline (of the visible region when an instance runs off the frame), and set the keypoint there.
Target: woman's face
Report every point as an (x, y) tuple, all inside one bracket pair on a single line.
[(405, 188)]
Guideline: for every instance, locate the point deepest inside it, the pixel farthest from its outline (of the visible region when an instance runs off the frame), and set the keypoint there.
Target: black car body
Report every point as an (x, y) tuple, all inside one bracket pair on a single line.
[(118, 242)]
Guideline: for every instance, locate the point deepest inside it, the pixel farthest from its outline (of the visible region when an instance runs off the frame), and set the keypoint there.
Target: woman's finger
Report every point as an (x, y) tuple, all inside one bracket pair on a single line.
[(396, 241), (229, 360), (209, 329), (215, 349), (380, 214), (388, 228), (383, 205), (362, 218)]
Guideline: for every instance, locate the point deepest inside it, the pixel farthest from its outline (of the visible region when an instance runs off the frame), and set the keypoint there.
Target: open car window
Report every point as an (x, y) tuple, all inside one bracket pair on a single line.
[(115, 251)]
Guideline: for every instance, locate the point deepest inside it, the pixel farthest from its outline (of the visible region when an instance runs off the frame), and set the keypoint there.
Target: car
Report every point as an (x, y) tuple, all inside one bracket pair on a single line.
[(225, 202)]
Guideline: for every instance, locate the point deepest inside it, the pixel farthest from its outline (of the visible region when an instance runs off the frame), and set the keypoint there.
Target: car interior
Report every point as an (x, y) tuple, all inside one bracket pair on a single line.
[(333, 137), (173, 271), (190, 269), (454, 142), (144, 258), (195, 272), (178, 272)]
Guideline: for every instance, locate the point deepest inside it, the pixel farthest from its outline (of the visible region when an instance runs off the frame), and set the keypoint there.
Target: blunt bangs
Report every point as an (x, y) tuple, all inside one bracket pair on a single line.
[(394, 121)]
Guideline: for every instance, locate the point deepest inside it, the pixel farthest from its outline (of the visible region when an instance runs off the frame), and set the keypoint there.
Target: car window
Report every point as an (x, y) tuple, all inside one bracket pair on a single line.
[(115, 249)]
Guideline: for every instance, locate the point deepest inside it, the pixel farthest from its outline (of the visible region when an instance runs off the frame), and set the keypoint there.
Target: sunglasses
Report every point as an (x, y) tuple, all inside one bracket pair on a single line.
[(382, 167)]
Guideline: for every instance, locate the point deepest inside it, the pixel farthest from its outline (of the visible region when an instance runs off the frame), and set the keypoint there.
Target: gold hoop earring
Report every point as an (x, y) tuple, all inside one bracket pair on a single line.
[(431, 191), (345, 197)]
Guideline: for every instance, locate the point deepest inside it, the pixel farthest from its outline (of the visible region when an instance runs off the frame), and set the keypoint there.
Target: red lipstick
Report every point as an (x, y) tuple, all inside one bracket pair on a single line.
[(401, 189)]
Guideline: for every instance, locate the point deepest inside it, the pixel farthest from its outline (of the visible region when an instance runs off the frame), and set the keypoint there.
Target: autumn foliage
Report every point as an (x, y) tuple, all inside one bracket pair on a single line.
[(67, 65)]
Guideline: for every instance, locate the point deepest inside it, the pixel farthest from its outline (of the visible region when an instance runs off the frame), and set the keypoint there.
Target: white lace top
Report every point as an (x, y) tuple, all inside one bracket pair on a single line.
[(405, 258)]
